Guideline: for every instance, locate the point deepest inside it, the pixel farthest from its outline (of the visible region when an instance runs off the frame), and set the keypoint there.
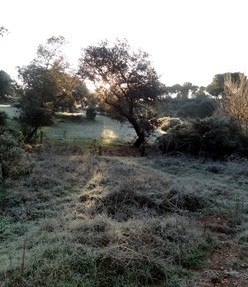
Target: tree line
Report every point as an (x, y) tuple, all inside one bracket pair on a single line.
[(127, 88)]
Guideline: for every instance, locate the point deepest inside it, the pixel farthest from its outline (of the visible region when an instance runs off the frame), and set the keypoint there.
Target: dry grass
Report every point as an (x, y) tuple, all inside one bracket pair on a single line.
[(82, 220)]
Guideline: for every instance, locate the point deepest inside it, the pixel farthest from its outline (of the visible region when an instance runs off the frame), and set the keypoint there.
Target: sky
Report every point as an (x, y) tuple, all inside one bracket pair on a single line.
[(187, 40)]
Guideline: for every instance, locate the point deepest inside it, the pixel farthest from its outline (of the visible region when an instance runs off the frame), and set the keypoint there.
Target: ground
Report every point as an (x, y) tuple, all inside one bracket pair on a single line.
[(102, 215), (227, 267)]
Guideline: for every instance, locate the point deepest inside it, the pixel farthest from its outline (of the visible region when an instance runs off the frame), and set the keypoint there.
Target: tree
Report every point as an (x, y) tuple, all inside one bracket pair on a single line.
[(6, 86), (235, 98), (48, 86), (3, 119), (197, 109), (3, 31), (216, 88), (128, 85), (200, 92), (36, 99), (183, 91), (51, 54), (69, 90), (187, 88)]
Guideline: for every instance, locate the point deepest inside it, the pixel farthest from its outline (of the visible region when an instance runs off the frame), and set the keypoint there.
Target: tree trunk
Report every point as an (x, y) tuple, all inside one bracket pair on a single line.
[(139, 141), (31, 134), (140, 133)]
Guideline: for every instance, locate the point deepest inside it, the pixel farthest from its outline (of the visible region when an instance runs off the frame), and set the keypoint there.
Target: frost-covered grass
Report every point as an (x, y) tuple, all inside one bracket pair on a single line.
[(83, 220), (11, 111), (78, 128)]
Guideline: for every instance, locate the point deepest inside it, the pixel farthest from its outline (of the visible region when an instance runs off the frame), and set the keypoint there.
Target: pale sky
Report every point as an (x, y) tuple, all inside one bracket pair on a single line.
[(188, 40)]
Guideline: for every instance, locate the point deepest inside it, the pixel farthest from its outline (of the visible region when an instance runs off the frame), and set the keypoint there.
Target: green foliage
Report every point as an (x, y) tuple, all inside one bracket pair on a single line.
[(6, 86), (3, 119), (188, 110), (91, 114), (33, 114), (199, 106), (14, 161), (214, 136), (181, 92), (197, 109), (128, 85), (48, 87), (195, 257), (33, 111), (216, 88)]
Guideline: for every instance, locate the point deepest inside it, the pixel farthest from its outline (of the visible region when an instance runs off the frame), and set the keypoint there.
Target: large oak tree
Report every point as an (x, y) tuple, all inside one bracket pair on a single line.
[(128, 85)]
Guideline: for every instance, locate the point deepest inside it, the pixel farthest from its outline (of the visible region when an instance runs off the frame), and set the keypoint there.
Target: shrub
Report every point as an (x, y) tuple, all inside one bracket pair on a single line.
[(3, 118), (219, 135), (181, 138), (197, 108), (213, 136), (14, 161), (206, 109), (91, 113), (167, 123), (188, 110)]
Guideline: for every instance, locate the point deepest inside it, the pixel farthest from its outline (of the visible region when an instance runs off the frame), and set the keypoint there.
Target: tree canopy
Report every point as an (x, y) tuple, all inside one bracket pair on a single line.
[(6, 86), (181, 91), (48, 86), (3, 30), (127, 84), (216, 88)]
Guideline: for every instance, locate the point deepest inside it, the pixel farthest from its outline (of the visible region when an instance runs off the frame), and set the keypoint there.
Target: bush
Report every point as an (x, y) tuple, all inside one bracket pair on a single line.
[(91, 113), (197, 109), (214, 136), (3, 118), (189, 110), (34, 114), (181, 138), (167, 123), (14, 161)]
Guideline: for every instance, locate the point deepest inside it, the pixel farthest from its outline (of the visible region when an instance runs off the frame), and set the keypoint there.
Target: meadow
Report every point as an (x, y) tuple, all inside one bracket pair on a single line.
[(84, 219), (73, 127)]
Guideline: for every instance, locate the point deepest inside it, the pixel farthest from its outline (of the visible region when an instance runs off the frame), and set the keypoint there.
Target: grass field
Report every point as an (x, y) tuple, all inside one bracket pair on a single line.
[(80, 219), (83, 220), (80, 129), (102, 128), (11, 111)]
